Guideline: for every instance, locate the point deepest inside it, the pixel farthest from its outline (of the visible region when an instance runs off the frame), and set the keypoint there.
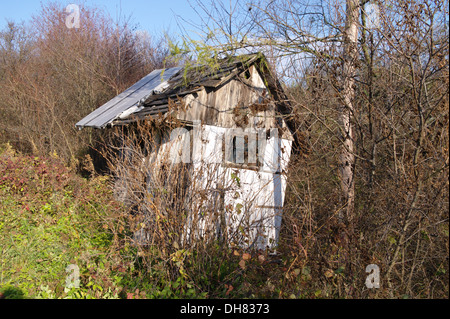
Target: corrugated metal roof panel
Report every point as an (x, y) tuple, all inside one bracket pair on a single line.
[(133, 96)]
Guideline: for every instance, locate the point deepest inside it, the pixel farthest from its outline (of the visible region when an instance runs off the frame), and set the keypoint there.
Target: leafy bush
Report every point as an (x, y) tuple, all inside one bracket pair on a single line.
[(52, 218)]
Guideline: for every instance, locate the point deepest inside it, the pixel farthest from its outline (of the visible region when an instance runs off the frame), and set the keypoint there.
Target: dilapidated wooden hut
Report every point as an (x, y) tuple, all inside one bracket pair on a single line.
[(234, 115)]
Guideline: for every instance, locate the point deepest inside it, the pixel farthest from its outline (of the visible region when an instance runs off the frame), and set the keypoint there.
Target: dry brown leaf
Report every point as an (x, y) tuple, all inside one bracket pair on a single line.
[(329, 273), (246, 256)]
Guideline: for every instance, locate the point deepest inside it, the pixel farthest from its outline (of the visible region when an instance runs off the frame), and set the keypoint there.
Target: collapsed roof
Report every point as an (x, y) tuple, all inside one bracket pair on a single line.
[(150, 96)]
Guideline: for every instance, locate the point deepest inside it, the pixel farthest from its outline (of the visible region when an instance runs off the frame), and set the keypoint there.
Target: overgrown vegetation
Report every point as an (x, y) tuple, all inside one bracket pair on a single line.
[(51, 76), (52, 217), (370, 98)]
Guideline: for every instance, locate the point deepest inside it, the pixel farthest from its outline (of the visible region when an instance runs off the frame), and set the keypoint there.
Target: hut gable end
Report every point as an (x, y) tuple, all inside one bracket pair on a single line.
[(242, 101)]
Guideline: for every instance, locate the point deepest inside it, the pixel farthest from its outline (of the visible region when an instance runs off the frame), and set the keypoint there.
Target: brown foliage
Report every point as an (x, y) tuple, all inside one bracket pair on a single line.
[(401, 184), (55, 75)]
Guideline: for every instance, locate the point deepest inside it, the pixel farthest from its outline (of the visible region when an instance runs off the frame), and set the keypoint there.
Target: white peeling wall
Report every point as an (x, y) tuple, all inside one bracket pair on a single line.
[(253, 199)]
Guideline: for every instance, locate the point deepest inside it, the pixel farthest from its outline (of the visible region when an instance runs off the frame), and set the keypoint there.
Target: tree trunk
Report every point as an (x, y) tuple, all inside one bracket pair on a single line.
[(347, 158)]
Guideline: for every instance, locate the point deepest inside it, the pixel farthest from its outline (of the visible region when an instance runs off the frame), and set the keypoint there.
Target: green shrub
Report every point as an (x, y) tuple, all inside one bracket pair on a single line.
[(51, 218)]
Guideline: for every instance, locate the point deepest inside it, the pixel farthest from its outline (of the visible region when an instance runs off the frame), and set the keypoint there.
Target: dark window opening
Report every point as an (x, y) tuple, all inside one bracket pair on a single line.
[(244, 151)]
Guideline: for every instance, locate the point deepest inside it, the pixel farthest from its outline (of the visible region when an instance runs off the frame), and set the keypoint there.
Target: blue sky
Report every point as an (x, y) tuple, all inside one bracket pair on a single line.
[(155, 16)]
